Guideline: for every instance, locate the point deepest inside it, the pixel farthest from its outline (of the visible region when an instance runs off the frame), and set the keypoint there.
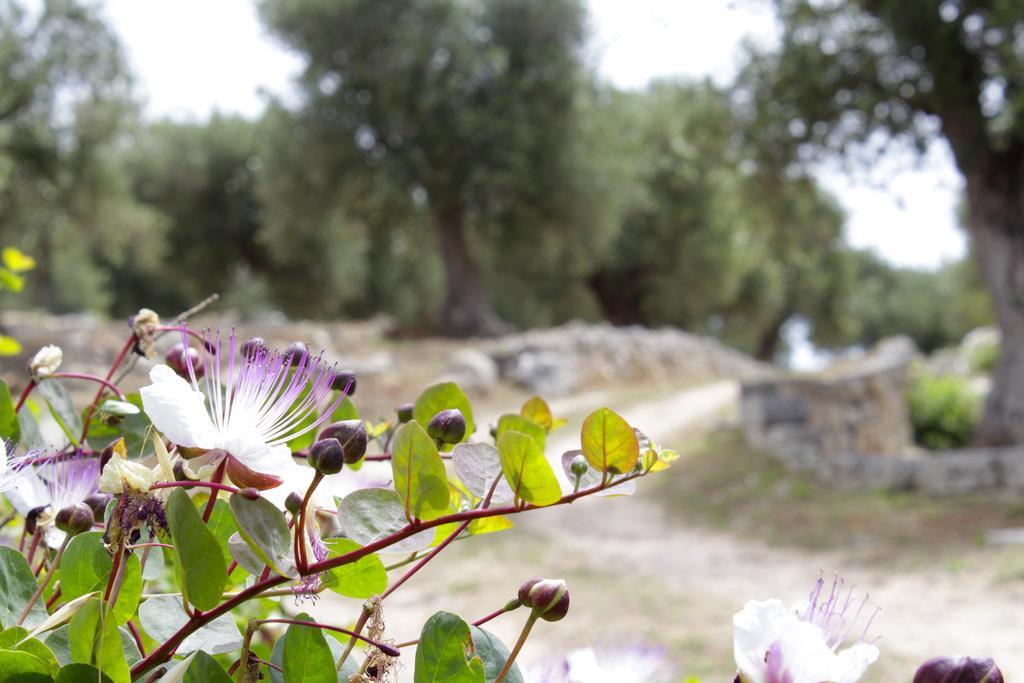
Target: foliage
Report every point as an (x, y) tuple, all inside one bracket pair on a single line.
[(181, 579), (12, 279), (944, 410)]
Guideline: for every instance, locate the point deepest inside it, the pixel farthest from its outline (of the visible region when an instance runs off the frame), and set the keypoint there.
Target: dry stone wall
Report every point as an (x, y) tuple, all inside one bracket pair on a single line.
[(850, 427)]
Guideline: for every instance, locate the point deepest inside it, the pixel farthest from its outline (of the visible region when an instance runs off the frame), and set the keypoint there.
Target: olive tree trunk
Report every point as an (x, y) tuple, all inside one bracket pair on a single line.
[(994, 195), (467, 309)]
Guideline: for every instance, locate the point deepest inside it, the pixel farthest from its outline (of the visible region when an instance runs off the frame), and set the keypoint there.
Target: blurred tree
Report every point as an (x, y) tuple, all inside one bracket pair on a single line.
[(467, 110), (64, 97), (934, 307), (709, 240), (201, 179), (851, 73)]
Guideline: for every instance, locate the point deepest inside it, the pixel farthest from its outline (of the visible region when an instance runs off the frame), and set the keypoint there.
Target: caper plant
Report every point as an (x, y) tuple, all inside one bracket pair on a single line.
[(177, 532)]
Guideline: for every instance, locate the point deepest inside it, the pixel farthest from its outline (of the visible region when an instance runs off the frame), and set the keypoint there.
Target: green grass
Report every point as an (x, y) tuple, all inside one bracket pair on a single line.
[(723, 483)]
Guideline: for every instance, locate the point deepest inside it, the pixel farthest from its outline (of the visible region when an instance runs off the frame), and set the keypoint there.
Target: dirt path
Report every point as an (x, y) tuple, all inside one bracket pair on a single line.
[(637, 576)]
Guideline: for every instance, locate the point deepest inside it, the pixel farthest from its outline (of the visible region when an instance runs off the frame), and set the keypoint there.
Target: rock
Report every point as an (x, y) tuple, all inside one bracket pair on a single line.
[(547, 373), (473, 370)]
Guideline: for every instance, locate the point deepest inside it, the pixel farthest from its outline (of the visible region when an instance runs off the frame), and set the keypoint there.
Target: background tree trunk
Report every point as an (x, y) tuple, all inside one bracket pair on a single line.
[(994, 192), (467, 309)]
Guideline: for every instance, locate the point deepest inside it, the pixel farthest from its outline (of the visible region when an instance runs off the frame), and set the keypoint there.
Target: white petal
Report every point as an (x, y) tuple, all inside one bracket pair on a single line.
[(853, 662), (755, 628), (177, 409)]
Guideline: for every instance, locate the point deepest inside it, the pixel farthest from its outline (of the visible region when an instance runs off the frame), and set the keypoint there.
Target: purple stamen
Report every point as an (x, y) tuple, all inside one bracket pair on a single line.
[(263, 394)]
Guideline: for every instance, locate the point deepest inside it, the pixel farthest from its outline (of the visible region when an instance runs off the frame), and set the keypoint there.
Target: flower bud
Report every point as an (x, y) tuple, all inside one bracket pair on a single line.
[(352, 436), (343, 379), (293, 503), (296, 353), (178, 358), (579, 466), (75, 519), (326, 456), (404, 412), (254, 345), (249, 493), (46, 362), (32, 518), (959, 670), (548, 598), (448, 426), (182, 472), (98, 503)]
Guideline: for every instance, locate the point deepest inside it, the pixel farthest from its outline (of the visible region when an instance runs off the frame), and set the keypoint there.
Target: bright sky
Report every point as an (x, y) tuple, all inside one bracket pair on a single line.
[(177, 50)]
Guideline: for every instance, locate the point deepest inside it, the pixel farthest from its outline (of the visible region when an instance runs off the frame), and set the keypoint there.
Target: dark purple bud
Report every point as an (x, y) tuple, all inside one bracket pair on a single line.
[(343, 379), (959, 670), (524, 590), (296, 352), (249, 493), (448, 426), (549, 599), (352, 436), (108, 452), (75, 519), (293, 503), (32, 518), (254, 345), (98, 503), (181, 473), (326, 456), (404, 412), (178, 358)]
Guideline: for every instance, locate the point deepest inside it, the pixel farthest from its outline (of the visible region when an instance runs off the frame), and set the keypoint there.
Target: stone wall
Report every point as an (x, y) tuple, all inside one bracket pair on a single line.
[(850, 427)]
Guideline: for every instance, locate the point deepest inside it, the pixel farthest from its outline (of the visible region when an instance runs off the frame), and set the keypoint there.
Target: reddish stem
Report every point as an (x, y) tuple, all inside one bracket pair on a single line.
[(218, 477), (190, 484), (90, 378), (24, 395), (137, 637), (53, 599), (128, 346)]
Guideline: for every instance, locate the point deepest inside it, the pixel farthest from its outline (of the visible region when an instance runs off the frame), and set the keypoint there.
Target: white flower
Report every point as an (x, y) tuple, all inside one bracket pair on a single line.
[(46, 362), (249, 408), (776, 644), (48, 484)]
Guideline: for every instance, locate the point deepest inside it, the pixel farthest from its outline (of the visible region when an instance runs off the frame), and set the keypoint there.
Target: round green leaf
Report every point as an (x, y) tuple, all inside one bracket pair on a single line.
[(494, 655), (517, 423), (203, 567), (370, 514), (527, 470), (441, 653), (18, 584), (86, 566), (477, 465), (609, 443), (81, 673), (265, 529), (21, 667), (307, 658), (162, 615), (443, 396), (537, 410), (363, 578), (205, 669), (420, 477)]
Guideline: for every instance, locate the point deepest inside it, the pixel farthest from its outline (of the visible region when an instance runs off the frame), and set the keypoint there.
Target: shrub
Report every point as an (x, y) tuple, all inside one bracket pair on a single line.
[(944, 410)]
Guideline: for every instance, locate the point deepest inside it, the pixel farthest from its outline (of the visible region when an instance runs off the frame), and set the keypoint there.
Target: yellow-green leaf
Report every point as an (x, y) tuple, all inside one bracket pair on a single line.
[(527, 470), (17, 261), (517, 423), (538, 410), (420, 477), (609, 443), (9, 346)]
